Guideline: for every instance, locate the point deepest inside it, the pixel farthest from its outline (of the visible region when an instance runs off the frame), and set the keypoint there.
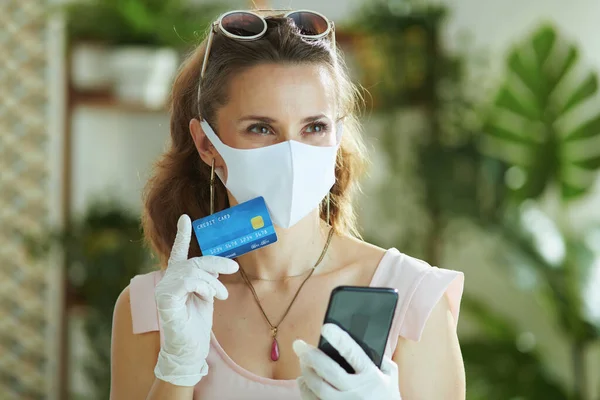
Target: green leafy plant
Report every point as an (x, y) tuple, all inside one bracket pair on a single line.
[(103, 250), (497, 369), (173, 23), (446, 169), (106, 250), (562, 279), (543, 125), (546, 117), (538, 135)]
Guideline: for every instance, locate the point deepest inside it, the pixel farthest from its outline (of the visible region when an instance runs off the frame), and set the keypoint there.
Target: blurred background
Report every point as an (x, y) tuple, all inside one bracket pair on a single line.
[(483, 124)]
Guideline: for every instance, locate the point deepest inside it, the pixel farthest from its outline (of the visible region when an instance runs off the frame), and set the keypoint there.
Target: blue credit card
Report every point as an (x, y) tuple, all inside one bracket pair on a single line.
[(235, 231)]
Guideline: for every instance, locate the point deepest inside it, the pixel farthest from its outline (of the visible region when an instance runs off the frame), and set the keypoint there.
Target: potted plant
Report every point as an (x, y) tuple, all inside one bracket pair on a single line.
[(133, 46), (103, 250), (499, 167)]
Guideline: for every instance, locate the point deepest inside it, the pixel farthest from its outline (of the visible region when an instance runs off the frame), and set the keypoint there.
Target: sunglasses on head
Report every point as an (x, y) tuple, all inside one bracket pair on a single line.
[(249, 25)]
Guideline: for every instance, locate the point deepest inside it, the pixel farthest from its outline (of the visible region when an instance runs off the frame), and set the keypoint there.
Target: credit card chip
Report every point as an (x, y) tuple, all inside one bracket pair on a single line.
[(257, 222)]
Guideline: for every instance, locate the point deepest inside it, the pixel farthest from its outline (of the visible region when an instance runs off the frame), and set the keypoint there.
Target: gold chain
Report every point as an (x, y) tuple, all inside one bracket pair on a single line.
[(283, 279), (247, 281)]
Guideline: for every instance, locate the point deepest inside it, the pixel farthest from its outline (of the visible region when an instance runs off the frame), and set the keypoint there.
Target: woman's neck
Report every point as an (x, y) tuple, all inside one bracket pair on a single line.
[(296, 251)]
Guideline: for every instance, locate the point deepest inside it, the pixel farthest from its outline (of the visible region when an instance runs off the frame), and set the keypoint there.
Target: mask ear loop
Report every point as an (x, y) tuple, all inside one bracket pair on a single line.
[(212, 187), (328, 206)]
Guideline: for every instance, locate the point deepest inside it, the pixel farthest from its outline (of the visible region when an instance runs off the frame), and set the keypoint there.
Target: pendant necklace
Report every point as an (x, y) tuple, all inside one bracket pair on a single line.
[(274, 344)]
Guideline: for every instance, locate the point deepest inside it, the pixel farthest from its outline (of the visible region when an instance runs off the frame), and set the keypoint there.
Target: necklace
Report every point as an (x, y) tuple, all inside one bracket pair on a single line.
[(282, 279), (274, 327)]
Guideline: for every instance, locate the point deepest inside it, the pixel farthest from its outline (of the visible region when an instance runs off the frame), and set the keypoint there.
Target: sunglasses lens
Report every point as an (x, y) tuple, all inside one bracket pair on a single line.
[(243, 24), (310, 24)]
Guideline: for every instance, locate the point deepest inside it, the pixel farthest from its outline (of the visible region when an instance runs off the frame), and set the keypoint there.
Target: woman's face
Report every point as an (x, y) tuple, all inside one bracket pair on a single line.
[(270, 104)]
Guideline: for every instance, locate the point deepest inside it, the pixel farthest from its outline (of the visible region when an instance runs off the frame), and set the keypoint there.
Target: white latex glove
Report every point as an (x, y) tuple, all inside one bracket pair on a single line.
[(323, 379), (184, 299)]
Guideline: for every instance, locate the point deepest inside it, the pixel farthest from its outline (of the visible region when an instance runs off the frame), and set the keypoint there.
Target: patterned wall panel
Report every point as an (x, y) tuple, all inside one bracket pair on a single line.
[(23, 198)]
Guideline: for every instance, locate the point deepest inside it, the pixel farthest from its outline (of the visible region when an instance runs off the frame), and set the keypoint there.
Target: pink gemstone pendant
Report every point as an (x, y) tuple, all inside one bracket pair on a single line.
[(274, 350)]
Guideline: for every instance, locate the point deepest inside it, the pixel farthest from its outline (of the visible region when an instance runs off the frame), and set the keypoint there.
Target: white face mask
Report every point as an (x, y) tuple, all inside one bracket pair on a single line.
[(292, 177)]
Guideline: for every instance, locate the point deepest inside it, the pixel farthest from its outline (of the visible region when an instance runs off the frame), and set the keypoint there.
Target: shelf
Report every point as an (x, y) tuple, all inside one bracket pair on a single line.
[(108, 101)]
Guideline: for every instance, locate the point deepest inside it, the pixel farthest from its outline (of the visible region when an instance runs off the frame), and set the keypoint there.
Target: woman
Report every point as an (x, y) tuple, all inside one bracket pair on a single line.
[(262, 104)]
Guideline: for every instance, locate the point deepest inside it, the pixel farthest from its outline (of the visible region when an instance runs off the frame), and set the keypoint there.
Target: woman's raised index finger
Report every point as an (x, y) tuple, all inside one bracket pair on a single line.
[(181, 245)]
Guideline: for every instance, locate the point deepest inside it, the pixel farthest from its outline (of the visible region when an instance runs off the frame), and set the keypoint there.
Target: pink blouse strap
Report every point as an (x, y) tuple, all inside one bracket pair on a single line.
[(420, 287), (143, 306)]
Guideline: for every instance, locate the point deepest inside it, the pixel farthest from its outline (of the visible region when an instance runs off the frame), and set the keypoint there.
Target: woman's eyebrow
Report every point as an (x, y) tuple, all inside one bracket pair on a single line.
[(264, 119), (314, 118), (268, 120)]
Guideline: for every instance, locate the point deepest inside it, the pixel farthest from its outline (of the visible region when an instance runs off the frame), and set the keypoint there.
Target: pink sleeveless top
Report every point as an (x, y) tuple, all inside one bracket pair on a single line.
[(419, 285)]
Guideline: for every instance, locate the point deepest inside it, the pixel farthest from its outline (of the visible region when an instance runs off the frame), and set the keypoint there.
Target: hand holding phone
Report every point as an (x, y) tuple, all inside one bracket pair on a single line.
[(366, 314), (324, 378)]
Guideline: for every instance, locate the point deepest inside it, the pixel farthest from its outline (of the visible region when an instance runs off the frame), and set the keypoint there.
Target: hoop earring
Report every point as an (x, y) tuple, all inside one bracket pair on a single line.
[(212, 187)]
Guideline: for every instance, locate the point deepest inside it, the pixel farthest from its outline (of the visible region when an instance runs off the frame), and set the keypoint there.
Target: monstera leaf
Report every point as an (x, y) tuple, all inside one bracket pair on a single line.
[(545, 122)]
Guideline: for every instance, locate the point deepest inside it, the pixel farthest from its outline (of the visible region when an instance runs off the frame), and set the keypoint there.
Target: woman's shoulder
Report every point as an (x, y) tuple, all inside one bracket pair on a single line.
[(420, 285), (132, 356), (141, 301), (396, 266), (126, 321), (420, 288)]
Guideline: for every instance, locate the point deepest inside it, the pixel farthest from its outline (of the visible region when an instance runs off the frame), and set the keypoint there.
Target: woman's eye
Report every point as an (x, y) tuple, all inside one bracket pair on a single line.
[(259, 129), (318, 127)]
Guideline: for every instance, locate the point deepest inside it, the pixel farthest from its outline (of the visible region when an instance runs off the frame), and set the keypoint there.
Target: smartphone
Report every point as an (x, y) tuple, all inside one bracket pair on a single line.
[(366, 313)]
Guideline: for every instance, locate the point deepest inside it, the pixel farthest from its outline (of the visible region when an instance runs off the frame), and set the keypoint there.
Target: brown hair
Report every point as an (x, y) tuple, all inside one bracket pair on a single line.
[(181, 180)]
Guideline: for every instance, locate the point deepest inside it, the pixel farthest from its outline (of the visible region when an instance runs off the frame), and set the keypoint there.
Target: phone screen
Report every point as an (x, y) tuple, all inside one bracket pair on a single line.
[(366, 313)]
